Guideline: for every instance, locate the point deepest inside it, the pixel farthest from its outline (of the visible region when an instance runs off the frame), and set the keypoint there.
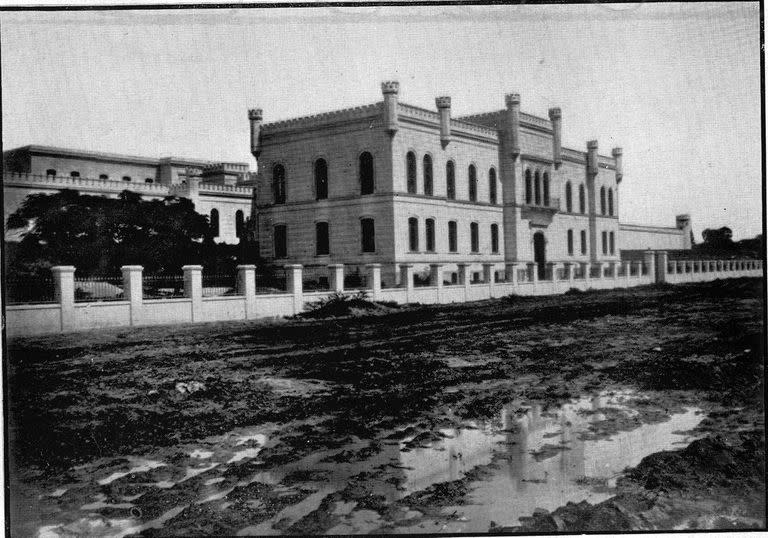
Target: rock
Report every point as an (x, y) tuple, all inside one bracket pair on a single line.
[(190, 387)]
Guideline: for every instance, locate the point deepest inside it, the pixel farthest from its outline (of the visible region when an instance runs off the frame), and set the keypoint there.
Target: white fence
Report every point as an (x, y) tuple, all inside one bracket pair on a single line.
[(132, 309)]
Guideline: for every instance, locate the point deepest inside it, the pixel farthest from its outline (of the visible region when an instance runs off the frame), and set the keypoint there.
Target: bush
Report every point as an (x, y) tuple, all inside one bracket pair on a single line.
[(341, 304)]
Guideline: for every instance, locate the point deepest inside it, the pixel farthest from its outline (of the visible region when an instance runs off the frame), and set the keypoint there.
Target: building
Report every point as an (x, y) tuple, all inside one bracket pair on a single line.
[(396, 184), (221, 191)]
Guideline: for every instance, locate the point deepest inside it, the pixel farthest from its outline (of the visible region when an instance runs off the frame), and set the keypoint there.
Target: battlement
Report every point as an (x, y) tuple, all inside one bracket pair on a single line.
[(218, 188), (494, 120), (232, 168), (434, 117), (324, 118)]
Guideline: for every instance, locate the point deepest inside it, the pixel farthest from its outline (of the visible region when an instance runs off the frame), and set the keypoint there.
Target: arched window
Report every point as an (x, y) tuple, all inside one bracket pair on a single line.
[(126, 178), (149, 180), (492, 185), (413, 234), (604, 237), (281, 241), (214, 222), (537, 188), (472, 183), (453, 243), (366, 173), (278, 183), (570, 242), (610, 202), (474, 235), (239, 223), (74, 173), (427, 175), (602, 200), (410, 170), (322, 242), (50, 172), (546, 189), (568, 198), (429, 229), (528, 188), (612, 240), (582, 200), (450, 180), (103, 176), (583, 241), (321, 179), (495, 238), (368, 235)]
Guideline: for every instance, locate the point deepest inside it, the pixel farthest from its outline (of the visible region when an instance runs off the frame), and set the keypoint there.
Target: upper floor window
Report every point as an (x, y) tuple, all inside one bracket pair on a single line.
[(239, 223), (472, 183), (605, 242), (428, 188), (546, 189), (413, 234), (537, 188), (612, 240), (410, 171), (450, 180), (366, 173), (583, 241), (74, 173), (50, 172), (368, 235), (495, 238), (602, 200), (429, 229), (474, 236), (610, 202), (322, 242), (215, 222), (528, 187), (126, 178), (570, 242), (582, 200), (568, 198), (103, 176), (321, 179), (453, 243), (281, 241), (278, 183), (492, 196)]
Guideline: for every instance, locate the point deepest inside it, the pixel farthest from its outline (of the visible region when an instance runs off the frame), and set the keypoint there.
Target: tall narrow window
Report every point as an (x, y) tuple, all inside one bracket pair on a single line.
[(604, 237), (278, 183), (528, 187), (568, 198), (472, 183), (50, 172), (281, 241), (582, 200), (149, 180), (546, 189), (450, 180), (570, 242), (429, 229), (537, 188), (215, 222), (410, 170), (474, 235), (610, 202), (366, 173), (453, 243), (239, 223), (74, 173), (322, 242), (368, 235), (103, 176), (321, 179), (602, 200), (495, 238), (583, 241), (428, 175), (612, 240), (413, 234), (126, 178), (492, 196)]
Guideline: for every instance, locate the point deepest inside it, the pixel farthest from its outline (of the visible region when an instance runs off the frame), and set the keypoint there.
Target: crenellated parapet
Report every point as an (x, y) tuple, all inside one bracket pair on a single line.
[(323, 119)]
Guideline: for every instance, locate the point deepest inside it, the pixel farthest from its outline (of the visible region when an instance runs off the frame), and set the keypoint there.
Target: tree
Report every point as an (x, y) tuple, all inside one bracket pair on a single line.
[(718, 239), (97, 234)]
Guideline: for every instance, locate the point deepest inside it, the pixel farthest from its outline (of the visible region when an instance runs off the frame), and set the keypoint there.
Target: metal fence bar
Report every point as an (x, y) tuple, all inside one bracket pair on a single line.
[(355, 277), (315, 277), (217, 285), (163, 286), (270, 280), (30, 289), (98, 288)]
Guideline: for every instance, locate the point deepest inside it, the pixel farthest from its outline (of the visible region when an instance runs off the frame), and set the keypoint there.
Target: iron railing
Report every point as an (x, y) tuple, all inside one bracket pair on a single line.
[(29, 289), (99, 288)]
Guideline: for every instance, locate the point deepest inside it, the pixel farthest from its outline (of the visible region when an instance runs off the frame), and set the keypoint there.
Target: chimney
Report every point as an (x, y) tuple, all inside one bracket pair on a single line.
[(555, 116), (592, 157), (254, 115), (617, 154), (512, 122), (390, 90), (444, 109)]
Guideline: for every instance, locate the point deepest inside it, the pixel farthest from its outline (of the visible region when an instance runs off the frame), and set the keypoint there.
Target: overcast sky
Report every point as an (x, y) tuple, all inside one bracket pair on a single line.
[(676, 85)]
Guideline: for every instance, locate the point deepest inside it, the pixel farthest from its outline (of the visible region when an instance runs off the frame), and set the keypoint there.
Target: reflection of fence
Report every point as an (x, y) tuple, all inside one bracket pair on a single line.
[(98, 288), (217, 285), (36, 289), (163, 286)]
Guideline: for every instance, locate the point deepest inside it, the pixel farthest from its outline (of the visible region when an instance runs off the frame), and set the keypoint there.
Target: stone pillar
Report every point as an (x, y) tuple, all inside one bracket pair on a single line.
[(336, 277), (586, 269), (639, 268), (133, 291), (464, 278), (661, 266), (569, 272), (614, 271), (193, 289), (246, 286), (295, 285), (488, 277), (649, 259), (551, 270), (627, 272), (406, 280), (64, 293), (374, 280), (533, 273), (436, 278), (698, 266)]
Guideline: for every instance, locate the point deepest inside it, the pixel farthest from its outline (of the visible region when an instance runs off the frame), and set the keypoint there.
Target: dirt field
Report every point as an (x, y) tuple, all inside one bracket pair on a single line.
[(519, 414)]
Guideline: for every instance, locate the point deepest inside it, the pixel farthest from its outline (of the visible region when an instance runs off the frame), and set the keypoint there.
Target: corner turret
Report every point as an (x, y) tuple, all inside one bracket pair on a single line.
[(390, 89), (444, 109), (512, 123), (255, 117)]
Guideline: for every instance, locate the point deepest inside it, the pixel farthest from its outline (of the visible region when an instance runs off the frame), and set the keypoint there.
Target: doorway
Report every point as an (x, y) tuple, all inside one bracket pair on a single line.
[(540, 253)]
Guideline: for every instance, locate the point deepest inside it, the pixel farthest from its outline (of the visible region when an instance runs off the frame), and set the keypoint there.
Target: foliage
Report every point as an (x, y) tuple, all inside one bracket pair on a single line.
[(345, 304), (720, 241)]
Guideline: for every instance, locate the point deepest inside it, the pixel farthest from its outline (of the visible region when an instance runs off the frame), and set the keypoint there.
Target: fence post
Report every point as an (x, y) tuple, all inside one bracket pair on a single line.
[(661, 266), (336, 277), (464, 278), (406, 279), (193, 289), (533, 274), (569, 273), (133, 291), (295, 286), (489, 278), (246, 286), (64, 293), (436, 276), (374, 280), (586, 269), (627, 272)]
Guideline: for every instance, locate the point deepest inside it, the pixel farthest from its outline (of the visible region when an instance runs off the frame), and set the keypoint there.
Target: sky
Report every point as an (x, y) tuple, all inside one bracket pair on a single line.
[(676, 85)]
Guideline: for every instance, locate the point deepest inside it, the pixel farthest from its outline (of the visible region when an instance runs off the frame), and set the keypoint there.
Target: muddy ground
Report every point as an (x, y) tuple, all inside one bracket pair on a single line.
[(308, 426)]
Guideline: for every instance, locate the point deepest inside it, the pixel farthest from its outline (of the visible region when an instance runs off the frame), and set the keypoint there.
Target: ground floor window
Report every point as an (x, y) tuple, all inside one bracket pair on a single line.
[(570, 242), (583, 241), (368, 235), (322, 243), (474, 234), (612, 239), (495, 238), (429, 228), (605, 242), (281, 241), (413, 234), (453, 244)]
